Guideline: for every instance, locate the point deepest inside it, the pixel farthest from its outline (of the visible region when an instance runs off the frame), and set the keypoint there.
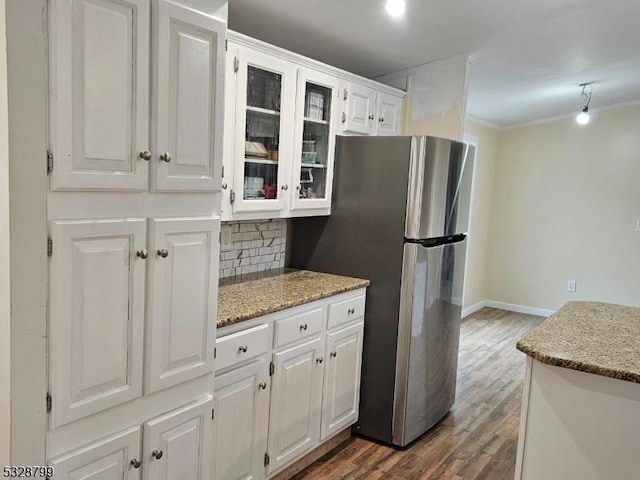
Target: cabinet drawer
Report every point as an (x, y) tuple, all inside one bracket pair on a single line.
[(346, 311), (298, 326), (241, 346)]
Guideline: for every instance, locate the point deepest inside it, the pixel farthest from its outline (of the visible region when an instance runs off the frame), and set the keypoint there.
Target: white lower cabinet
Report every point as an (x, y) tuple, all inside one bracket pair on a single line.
[(114, 458), (177, 446), (269, 415), (341, 393), (242, 410), (296, 395)]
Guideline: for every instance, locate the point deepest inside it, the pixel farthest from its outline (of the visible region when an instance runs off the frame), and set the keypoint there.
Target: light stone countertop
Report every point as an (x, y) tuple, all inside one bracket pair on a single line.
[(592, 337), (250, 296)]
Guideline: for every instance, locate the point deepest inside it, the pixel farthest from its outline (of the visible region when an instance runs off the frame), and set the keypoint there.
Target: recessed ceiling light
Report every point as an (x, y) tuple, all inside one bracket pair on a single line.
[(395, 8)]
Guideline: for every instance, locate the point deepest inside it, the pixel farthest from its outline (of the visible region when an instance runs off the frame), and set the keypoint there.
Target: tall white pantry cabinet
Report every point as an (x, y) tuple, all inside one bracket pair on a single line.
[(135, 144)]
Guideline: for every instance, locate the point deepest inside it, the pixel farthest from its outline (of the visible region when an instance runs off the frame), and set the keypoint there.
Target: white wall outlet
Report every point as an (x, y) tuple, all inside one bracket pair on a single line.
[(225, 237), (571, 286), (638, 226)]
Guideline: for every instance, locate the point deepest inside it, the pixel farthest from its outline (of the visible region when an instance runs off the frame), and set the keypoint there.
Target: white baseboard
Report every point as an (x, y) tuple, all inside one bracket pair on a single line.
[(512, 307), (473, 308)]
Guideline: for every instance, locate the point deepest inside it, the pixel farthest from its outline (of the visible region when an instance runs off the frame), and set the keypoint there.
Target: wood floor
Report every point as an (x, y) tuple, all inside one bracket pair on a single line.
[(477, 439)]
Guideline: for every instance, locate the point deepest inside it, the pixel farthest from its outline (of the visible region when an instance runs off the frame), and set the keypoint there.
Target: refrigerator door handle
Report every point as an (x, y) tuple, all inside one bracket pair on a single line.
[(437, 241)]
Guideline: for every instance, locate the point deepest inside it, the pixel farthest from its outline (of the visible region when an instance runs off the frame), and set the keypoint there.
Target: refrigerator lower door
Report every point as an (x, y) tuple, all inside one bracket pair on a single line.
[(428, 337)]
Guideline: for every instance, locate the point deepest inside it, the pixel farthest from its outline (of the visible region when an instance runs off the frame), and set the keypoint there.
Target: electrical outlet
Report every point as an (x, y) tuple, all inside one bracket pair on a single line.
[(571, 286), (225, 238)]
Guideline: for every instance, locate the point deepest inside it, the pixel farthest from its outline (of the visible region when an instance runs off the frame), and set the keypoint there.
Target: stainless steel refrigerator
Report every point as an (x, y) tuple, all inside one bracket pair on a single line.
[(400, 215)]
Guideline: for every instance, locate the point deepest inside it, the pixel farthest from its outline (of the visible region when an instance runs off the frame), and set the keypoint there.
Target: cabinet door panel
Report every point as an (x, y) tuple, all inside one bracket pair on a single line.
[(389, 108), (99, 93), (296, 393), (242, 411), (360, 110), (182, 300), (342, 379), (96, 316), (182, 442), (189, 99), (108, 459)]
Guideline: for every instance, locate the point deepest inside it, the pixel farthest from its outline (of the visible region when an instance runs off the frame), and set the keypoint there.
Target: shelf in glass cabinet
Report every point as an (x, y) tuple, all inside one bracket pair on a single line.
[(262, 161), (318, 122), (263, 111)]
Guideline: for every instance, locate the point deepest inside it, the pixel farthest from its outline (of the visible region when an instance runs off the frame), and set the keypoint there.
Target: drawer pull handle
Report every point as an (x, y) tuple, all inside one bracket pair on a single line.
[(351, 311), (157, 454), (319, 360), (163, 253), (304, 326), (135, 463), (334, 354), (243, 348), (262, 385)]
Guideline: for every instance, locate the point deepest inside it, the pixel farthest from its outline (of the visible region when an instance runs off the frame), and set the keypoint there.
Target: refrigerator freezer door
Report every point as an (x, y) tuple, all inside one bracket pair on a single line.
[(439, 189), (428, 337)]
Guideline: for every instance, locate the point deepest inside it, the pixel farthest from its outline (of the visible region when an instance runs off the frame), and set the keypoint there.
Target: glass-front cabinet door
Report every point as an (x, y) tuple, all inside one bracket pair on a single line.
[(315, 134), (265, 111)]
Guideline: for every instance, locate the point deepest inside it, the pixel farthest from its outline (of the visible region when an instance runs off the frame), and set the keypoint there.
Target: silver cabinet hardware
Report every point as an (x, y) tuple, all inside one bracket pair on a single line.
[(381, 119), (224, 186), (135, 463), (163, 253), (165, 157), (143, 254), (145, 155), (285, 187), (157, 454), (304, 326), (262, 385), (371, 117), (319, 360), (351, 311), (334, 354), (243, 348), (297, 187)]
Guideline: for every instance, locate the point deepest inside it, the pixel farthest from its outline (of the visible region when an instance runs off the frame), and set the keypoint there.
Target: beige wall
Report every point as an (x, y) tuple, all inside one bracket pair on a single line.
[(565, 204), (487, 151), (5, 299)]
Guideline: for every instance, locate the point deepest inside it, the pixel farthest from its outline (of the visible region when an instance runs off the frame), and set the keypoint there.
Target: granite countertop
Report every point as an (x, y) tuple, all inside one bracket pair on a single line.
[(593, 337), (250, 296)]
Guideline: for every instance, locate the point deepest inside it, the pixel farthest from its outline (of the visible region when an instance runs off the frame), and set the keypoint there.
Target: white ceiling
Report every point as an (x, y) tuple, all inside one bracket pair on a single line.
[(532, 54)]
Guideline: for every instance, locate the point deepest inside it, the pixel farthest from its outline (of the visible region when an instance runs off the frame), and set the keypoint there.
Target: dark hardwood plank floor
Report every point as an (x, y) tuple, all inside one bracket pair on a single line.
[(477, 439)]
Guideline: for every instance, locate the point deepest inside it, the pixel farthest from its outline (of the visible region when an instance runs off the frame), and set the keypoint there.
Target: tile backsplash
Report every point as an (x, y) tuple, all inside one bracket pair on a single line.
[(252, 246)]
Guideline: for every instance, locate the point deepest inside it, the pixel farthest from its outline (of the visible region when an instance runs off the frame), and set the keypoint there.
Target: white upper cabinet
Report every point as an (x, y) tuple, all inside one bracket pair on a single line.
[(188, 101), (181, 300), (389, 108), (96, 316), (264, 122), (114, 458), (99, 94), (360, 109), (178, 445), (317, 113)]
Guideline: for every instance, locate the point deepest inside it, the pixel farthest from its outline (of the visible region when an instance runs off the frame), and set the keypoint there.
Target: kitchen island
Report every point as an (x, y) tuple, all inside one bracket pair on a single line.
[(581, 400)]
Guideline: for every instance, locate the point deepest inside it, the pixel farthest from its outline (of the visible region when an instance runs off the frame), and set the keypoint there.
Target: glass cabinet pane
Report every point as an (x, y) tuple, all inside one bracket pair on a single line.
[(262, 134), (315, 141)]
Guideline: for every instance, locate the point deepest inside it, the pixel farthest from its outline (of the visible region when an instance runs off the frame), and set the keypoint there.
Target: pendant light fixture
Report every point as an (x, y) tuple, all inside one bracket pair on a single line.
[(583, 116)]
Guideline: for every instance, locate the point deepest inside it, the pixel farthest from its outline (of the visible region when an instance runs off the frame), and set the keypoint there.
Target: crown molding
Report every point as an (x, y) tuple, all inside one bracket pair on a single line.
[(483, 122), (467, 58)]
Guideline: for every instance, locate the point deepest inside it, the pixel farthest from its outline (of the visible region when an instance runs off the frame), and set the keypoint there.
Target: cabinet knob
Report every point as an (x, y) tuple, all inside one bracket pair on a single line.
[(145, 155), (319, 360), (304, 326), (157, 454), (381, 119), (351, 311), (262, 385), (163, 253), (165, 157), (135, 463), (224, 186), (143, 254), (371, 117), (297, 187), (285, 187), (333, 354), (243, 348)]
